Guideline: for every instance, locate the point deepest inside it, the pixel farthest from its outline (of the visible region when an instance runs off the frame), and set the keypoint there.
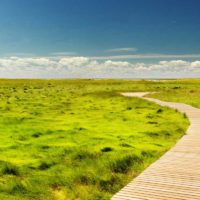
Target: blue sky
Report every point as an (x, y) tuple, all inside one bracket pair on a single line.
[(134, 31)]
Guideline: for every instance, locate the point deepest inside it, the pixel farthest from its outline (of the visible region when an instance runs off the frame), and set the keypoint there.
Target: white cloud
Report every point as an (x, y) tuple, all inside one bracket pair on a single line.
[(110, 63), (174, 63), (73, 61), (84, 67), (127, 49), (173, 66), (147, 56), (195, 64)]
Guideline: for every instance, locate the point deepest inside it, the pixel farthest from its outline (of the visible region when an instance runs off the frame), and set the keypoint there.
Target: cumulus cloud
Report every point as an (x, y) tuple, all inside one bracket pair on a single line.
[(84, 67), (195, 64), (73, 61), (110, 63)]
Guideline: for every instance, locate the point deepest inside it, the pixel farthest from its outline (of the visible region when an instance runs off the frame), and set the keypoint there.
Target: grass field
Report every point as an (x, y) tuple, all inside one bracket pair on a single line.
[(185, 91), (79, 139)]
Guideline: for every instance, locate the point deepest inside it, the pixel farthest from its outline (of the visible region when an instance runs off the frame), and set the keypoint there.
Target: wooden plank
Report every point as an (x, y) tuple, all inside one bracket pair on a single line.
[(176, 175)]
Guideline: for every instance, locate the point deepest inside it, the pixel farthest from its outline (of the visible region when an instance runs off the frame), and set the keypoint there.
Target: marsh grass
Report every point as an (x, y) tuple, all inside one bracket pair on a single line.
[(79, 139)]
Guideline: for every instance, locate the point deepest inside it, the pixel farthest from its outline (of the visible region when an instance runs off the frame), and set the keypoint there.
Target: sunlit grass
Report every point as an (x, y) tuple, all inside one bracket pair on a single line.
[(79, 139)]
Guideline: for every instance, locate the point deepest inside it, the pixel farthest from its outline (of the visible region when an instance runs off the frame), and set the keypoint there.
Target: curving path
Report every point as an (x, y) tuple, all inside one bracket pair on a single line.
[(176, 175)]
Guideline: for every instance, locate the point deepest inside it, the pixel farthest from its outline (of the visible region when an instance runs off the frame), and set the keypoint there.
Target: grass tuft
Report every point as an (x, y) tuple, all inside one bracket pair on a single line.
[(107, 149), (124, 165), (9, 169)]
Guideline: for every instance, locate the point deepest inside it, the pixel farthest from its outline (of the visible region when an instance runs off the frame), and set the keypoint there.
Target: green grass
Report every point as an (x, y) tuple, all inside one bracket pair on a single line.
[(79, 139), (184, 91)]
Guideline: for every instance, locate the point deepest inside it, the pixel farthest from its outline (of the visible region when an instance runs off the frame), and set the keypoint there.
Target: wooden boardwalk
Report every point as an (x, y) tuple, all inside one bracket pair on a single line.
[(176, 175)]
